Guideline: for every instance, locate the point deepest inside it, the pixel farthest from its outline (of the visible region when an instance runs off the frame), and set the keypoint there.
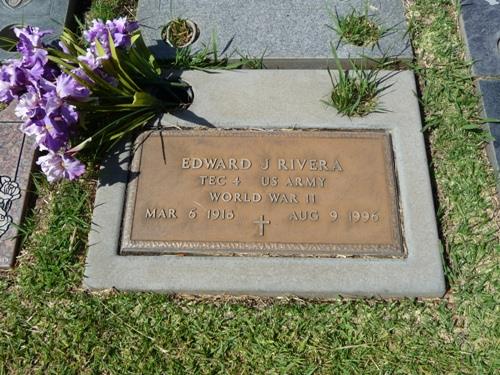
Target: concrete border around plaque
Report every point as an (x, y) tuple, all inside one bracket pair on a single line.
[(261, 27), (284, 99)]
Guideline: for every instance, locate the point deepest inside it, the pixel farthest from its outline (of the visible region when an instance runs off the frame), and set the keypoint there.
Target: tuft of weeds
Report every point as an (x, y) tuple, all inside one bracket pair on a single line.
[(249, 62), (187, 59), (356, 91), (209, 58), (358, 28)]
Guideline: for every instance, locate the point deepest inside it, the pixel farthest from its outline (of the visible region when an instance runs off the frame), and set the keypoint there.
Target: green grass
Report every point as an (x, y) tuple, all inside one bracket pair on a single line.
[(357, 29), (109, 9), (49, 325)]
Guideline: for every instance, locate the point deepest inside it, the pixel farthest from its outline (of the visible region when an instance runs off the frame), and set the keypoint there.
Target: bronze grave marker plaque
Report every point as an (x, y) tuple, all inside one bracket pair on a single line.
[(278, 193)]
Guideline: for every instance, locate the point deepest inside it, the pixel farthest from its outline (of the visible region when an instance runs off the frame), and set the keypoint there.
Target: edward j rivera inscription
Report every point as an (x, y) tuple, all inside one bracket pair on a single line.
[(276, 193)]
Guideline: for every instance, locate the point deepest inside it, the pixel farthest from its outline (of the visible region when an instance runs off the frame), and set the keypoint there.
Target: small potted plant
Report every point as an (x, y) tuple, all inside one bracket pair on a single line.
[(180, 33)]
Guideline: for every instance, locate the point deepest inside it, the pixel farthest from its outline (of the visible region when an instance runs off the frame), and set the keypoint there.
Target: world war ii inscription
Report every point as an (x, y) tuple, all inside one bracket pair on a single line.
[(263, 193)]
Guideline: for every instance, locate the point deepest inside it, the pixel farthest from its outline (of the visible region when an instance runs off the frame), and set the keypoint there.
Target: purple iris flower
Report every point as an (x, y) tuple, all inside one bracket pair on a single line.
[(51, 72), (35, 70), (60, 166), (30, 37), (44, 91), (30, 46), (55, 106), (120, 30), (30, 105), (17, 75), (51, 132), (13, 81), (95, 31), (68, 88), (46, 135), (123, 25), (69, 114), (90, 59), (79, 72)]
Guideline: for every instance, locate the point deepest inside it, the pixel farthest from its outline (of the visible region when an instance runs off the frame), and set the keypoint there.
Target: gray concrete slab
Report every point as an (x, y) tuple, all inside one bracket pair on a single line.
[(46, 14), (17, 154), (265, 99), (490, 97), (481, 30), (291, 34)]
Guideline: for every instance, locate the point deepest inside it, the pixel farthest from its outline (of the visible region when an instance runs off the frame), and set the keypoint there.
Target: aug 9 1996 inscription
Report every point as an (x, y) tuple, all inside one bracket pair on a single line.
[(278, 193)]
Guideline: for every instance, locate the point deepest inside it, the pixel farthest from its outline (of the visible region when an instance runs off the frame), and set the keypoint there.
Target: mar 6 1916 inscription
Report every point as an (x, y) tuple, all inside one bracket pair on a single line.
[(278, 193)]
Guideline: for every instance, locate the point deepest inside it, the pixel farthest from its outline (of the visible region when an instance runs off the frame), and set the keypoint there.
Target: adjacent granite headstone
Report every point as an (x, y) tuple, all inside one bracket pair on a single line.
[(482, 35), (481, 30), (194, 223), (46, 14), (16, 161), (490, 95), (289, 34)]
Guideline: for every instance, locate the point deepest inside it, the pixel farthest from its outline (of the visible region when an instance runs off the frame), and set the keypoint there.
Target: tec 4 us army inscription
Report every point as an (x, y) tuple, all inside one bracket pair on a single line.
[(274, 193)]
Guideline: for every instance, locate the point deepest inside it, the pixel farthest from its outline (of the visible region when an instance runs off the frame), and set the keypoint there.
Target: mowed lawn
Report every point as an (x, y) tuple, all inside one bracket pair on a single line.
[(48, 324)]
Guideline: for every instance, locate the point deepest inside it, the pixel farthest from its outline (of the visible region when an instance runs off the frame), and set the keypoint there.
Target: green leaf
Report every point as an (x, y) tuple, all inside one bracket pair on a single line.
[(123, 76), (126, 118), (336, 58), (143, 99), (71, 41), (139, 45), (490, 120), (134, 124), (471, 127), (61, 63), (100, 82)]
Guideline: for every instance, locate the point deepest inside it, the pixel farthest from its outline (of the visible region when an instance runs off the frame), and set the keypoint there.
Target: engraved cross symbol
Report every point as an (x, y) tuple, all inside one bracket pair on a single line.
[(261, 222)]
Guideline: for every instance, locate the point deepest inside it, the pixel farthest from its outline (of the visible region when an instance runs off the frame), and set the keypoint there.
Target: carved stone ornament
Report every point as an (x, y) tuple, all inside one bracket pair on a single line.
[(9, 192), (13, 4)]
